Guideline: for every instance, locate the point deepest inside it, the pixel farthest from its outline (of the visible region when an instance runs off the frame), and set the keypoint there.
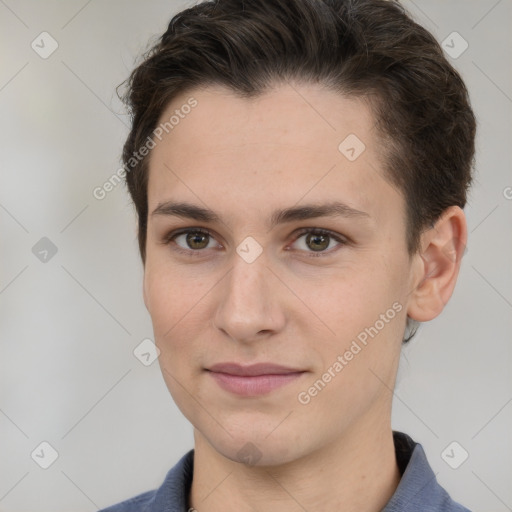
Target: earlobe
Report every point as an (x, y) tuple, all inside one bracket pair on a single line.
[(438, 261)]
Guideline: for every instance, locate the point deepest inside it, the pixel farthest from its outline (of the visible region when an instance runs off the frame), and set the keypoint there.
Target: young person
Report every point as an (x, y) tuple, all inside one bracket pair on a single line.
[(299, 171)]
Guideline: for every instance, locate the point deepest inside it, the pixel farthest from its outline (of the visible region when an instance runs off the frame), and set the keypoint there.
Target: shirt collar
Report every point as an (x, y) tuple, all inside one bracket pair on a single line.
[(418, 488)]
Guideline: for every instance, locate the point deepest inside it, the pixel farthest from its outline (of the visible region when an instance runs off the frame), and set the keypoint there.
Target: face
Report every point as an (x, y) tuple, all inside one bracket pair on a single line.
[(268, 242)]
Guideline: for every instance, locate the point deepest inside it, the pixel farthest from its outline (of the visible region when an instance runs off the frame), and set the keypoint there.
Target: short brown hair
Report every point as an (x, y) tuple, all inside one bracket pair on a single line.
[(363, 48)]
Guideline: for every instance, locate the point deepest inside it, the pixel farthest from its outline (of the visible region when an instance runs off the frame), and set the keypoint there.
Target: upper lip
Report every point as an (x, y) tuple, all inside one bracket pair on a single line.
[(253, 369)]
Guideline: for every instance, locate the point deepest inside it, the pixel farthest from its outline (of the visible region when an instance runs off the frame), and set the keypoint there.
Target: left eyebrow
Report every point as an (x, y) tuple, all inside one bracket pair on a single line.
[(310, 211)]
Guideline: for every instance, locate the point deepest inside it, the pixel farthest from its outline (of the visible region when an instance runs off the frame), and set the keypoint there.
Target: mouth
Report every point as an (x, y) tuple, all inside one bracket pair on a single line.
[(253, 380)]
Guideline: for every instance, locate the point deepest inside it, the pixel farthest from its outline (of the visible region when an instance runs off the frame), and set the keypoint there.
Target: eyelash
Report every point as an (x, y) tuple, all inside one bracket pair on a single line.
[(314, 231)]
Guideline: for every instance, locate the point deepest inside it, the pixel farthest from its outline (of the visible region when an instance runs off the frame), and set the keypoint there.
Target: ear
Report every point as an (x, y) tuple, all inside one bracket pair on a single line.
[(438, 262)]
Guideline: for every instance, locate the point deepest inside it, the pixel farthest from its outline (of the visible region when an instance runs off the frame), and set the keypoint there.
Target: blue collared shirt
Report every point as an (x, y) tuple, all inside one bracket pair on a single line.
[(418, 490)]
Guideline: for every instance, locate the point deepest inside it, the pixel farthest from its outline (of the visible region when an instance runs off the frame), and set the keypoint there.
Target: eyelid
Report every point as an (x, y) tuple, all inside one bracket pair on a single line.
[(341, 239), (168, 238), (176, 232)]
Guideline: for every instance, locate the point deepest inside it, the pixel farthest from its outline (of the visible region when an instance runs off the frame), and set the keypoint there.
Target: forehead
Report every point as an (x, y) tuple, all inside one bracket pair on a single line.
[(307, 116), (291, 141)]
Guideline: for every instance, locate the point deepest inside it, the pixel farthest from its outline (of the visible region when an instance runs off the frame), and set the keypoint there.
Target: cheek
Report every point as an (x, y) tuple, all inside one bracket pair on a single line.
[(358, 363), (177, 311), (177, 314), (170, 294), (365, 314), (351, 300)]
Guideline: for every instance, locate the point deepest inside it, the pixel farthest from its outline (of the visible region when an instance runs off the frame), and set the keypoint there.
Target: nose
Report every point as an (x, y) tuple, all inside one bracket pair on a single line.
[(249, 306)]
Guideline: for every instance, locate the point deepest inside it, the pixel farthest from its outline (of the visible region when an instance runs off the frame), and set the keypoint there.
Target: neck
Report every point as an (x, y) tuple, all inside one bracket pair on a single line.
[(358, 472)]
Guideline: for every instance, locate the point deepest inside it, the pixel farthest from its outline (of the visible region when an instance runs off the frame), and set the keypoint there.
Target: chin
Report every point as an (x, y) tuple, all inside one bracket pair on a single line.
[(256, 449)]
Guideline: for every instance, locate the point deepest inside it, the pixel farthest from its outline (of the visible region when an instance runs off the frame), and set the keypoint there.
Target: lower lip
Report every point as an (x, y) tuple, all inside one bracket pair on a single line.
[(253, 385)]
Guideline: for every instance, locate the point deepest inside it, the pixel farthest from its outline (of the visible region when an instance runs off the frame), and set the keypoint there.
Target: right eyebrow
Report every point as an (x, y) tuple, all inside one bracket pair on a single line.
[(187, 210)]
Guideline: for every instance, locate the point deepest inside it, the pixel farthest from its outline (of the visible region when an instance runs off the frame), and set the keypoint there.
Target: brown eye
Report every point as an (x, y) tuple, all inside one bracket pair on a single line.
[(197, 240), (317, 242), (191, 240)]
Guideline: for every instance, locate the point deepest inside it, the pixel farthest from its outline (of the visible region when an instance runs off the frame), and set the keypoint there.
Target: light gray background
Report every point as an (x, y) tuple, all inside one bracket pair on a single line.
[(69, 326)]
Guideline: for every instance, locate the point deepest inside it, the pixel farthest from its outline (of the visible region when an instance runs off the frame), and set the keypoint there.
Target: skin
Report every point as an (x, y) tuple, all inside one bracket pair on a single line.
[(245, 158)]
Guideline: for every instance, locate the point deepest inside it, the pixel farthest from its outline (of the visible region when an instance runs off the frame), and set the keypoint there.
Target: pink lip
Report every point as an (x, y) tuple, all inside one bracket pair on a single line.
[(252, 380), (252, 369)]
